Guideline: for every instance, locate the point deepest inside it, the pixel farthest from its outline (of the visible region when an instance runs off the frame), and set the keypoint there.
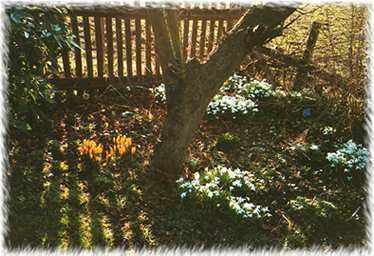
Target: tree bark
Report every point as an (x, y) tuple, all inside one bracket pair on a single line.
[(191, 88)]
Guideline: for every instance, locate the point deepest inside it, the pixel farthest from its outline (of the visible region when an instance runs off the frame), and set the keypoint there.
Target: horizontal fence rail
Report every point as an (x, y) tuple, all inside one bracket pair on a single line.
[(118, 47)]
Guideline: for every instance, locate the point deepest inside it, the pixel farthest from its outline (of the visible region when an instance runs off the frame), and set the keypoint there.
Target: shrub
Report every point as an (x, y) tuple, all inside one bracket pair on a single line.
[(234, 106), (159, 94), (311, 217), (228, 142), (240, 102), (352, 158), (312, 208), (328, 130), (234, 83), (253, 89), (225, 189), (256, 90), (37, 36)]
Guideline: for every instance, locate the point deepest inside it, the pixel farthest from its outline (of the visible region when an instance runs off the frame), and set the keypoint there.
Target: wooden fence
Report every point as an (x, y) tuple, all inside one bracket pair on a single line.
[(117, 47)]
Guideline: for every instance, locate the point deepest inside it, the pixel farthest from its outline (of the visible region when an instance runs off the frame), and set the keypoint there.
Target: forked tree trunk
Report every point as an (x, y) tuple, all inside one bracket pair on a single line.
[(191, 86)]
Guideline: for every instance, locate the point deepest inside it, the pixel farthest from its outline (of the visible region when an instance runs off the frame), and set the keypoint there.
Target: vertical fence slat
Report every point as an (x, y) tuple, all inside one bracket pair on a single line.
[(186, 29), (128, 47), (119, 46), (157, 63), (212, 26), (220, 30), (77, 51), (66, 62), (225, 26), (141, 60), (194, 36), (99, 46), (87, 44), (148, 46), (109, 37), (202, 39), (138, 47)]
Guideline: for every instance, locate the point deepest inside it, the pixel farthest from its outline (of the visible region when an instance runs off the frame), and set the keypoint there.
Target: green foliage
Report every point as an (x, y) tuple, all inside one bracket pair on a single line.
[(224, 189), (36, 37), (320, 211), (311, 217), (238, 97), (228, 142), (231, 106), (234, 83), (351, 158), (252, 89), (160, 94)]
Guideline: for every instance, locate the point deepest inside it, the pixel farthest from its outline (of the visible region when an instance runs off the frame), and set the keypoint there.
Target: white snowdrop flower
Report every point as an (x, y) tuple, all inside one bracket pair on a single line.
[(314, 147), (180, 180), (196, 176), (210, 194), (183, 195)]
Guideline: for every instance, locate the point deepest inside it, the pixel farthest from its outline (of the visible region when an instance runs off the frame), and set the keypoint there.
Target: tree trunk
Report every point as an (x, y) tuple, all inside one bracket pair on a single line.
[(191, 88), (177, 133)]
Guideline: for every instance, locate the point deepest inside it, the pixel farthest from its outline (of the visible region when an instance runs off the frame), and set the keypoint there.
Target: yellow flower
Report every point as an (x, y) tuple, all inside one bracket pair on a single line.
[(120, 146), (122, 151)]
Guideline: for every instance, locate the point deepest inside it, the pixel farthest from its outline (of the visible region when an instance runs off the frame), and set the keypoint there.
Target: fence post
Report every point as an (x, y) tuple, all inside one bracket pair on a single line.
[(99, 45), (308, 53), (88, 46)]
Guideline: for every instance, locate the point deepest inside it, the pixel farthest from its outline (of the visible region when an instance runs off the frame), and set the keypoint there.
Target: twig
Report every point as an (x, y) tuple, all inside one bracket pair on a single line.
[(354, 213)]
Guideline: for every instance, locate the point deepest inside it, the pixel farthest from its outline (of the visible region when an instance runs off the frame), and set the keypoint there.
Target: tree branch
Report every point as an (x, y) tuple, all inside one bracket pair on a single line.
[(255, 27), (165, 27), (297, 62), (169, 51)]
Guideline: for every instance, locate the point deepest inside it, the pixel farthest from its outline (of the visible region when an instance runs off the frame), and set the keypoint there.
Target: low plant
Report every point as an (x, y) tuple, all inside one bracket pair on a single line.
[(257, 90), (159, 94), (234, 83), (120, 147), (312, 208), (238, 97), (308, 217), (351, 158), (102, 165), (228, 141), (234, 106), (223, 189)]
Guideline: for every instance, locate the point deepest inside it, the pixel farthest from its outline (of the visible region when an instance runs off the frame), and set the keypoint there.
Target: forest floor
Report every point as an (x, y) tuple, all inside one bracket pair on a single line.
[(52, 203)]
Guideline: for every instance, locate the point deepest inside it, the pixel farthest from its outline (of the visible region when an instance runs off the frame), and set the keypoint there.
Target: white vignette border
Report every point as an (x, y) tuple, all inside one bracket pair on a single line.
[(179, 250)]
